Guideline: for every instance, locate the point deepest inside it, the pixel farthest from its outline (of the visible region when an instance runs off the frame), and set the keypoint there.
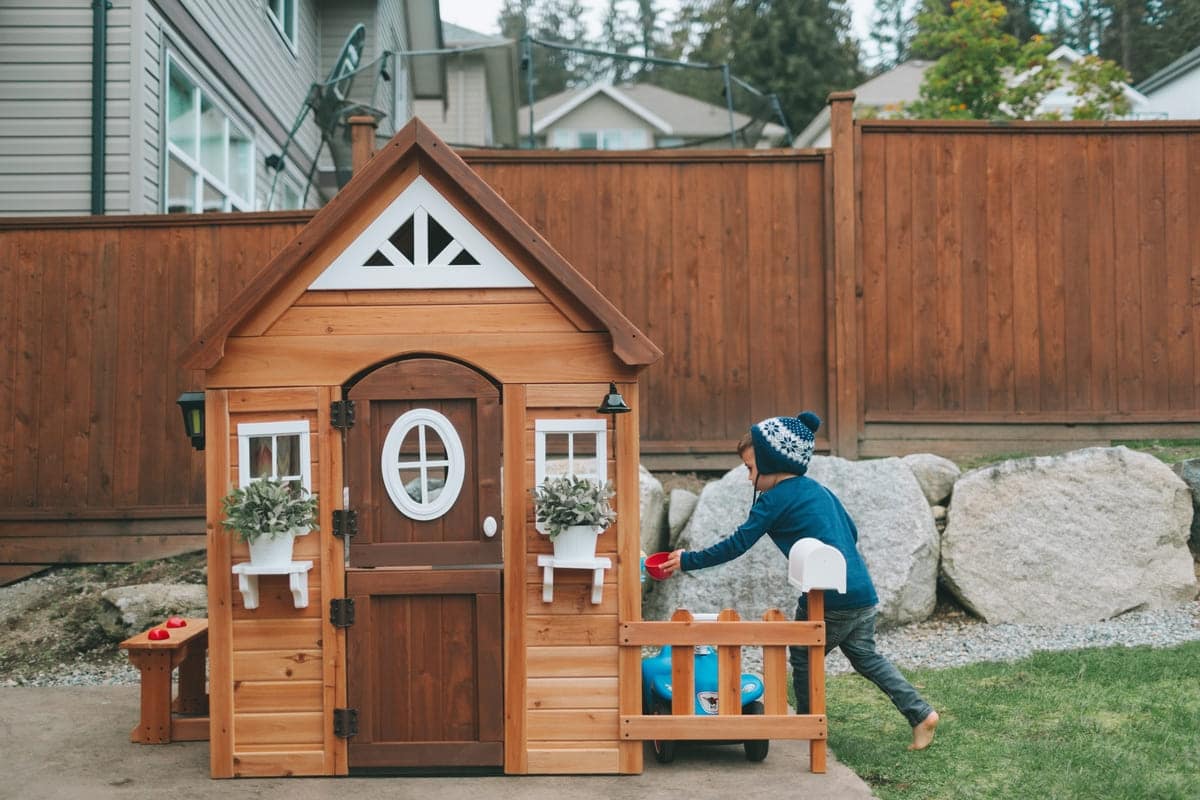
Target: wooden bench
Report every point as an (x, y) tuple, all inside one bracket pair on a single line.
[(186, 718)]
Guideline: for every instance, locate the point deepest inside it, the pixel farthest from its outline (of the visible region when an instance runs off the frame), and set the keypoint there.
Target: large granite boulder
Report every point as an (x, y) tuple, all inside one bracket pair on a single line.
[(936, 475), (1079, 537), (681, 504), (1190, 472), (133, 609), (896, 531), (896, 537), (653, 507)]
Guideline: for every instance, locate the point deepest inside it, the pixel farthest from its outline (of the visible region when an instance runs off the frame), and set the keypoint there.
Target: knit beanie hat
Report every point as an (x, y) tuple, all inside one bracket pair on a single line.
[(784, 444)]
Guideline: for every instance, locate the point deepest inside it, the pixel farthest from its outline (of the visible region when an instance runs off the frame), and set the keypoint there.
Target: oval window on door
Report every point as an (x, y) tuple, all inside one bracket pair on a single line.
[(423, 464)]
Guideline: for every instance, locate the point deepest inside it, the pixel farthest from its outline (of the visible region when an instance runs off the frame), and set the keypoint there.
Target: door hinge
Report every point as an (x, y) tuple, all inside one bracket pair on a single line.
[(342, 412), (341, 612), (345, 523), (345, 722)]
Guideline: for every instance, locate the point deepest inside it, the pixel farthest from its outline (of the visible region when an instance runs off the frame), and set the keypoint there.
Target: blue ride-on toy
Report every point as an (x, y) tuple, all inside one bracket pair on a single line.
[(656, 697)]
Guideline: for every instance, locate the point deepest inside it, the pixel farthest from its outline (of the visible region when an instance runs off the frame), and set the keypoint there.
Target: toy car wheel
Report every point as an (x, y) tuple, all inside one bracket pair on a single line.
[(756, 749), (664, 749)]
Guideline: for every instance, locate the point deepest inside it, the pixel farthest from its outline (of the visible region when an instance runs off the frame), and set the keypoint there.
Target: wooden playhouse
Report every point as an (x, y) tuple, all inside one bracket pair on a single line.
[(418, 356)]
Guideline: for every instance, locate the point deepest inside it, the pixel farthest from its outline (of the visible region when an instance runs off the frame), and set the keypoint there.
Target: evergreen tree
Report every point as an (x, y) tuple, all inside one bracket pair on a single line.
[(892, 30), (799, 50)]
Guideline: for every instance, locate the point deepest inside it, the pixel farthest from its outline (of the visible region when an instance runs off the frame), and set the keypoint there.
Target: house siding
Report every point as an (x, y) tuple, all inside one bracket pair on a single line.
[(467, 118), (598, 113), (1179, 99), (45, 105)]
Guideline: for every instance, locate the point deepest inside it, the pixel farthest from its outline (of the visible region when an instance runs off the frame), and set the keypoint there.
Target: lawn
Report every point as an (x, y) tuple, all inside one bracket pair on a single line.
[(1103, 723)]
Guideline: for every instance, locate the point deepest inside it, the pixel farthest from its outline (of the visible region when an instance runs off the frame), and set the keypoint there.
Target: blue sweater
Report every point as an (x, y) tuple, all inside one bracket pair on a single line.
[(795, 509)]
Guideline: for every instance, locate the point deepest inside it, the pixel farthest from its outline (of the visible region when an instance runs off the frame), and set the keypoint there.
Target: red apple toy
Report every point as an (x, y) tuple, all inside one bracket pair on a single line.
[(158, 634), (176, 622)]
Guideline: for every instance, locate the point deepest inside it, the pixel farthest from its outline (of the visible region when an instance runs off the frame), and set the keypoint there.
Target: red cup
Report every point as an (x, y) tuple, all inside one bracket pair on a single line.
[(158, 634), (176, 622), (654, 566)]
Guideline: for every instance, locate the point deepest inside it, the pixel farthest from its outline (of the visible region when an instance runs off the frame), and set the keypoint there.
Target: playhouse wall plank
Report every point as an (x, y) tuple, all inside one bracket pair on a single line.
[(575, 396), (257, 696), (292, 727), (275, 601), (545, 693), (332, 573), (277, 665), (278, 764), (564, 759), (420, 318), (575, 725), (565, 630), (385, 297), (246, 401), (220, 632), (276, 634), (516, 586), (331, 360), (626, 446), (569, 599), (571, 662)]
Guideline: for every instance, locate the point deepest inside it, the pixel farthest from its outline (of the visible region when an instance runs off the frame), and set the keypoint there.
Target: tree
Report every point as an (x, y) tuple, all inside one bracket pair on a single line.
[(560, 21), (892, 30), (970, 79), (799, 50)]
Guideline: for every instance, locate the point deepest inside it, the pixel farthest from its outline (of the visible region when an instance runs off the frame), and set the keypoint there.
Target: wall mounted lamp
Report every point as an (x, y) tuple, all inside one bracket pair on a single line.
[(192, 406), (613, 403)]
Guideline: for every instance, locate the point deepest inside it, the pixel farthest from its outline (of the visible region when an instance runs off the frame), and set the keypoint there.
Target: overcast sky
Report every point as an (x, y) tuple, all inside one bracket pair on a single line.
[(480, 15)]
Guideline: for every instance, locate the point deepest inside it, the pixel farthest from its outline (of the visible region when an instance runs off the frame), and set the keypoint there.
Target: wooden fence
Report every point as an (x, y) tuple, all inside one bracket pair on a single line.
[(1030, 275), (948, 288)]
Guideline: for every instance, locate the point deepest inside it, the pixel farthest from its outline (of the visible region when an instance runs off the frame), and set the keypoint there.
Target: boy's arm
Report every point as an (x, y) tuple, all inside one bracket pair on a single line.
[(734, 545)]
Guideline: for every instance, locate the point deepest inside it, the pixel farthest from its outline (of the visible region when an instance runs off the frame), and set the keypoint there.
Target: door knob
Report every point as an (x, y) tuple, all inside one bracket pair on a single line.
[(489, 527)]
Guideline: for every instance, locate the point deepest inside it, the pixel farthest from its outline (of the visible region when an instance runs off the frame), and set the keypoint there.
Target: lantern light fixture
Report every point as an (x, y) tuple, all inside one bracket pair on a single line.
[(192, 406)]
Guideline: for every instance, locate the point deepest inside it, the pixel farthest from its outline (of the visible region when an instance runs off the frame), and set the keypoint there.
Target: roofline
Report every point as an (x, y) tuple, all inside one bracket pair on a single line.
[(614, 93), (417, 140), (813, 129), (1185, 63)]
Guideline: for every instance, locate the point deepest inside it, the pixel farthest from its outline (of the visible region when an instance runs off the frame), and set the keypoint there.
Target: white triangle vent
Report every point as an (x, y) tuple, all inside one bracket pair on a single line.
[(420, 241)]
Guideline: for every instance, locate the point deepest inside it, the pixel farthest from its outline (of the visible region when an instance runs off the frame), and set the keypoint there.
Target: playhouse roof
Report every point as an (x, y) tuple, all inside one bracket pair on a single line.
[(417, 147)]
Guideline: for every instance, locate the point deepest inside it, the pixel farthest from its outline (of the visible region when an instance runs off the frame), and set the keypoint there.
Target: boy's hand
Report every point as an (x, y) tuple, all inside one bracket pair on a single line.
[(672, 565)]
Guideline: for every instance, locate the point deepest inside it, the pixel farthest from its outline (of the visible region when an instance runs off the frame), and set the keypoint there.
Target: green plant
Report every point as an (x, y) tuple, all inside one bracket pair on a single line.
[(269, 507), (567, 500)]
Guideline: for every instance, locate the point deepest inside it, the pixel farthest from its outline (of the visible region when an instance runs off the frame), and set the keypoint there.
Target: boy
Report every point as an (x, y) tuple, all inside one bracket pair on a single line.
[(790, 507)]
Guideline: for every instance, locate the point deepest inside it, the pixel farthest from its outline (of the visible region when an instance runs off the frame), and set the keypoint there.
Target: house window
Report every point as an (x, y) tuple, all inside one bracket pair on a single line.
[(571, 447), (278, 450), (283, 14), (423, 464), (604, 139), (210, 158)]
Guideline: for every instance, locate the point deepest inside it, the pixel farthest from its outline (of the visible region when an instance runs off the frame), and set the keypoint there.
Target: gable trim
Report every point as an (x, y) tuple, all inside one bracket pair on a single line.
[(420, 269)]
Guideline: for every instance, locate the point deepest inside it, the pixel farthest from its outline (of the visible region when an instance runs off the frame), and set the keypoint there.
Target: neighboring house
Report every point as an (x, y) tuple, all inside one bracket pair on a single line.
[(632, 117), (1175, 89), (886, 94), (189, 99), (480, 108)]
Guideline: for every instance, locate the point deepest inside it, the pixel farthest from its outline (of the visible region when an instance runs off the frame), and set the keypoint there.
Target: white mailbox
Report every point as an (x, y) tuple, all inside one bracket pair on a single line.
[(812, 564)]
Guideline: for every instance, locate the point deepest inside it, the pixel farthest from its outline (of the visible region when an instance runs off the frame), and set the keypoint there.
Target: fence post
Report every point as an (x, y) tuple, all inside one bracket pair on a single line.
[(816, 679), (844, 411)]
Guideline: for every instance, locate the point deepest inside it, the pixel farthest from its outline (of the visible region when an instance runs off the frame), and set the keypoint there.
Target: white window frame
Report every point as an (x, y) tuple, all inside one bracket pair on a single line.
[(231, 201), (289, 36), (572, 427), (248, 430), (455, 463)]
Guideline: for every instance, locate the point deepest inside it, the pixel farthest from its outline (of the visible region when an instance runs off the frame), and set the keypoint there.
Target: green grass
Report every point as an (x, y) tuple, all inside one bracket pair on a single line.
[(1106, 723), (1167, 450)]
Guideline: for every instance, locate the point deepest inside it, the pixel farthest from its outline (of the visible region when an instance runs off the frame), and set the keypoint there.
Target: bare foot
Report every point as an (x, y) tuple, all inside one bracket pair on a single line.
[(923, 732)]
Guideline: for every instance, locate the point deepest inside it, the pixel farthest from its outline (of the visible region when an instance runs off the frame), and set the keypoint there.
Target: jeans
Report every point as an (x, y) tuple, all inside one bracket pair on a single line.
[(853, 630)]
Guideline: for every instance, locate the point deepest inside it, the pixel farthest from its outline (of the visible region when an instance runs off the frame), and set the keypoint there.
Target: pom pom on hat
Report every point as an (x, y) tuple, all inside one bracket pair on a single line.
[(785, 444)]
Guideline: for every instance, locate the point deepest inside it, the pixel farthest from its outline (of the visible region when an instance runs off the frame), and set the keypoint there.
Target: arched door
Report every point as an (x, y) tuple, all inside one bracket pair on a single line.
[(424, 660)]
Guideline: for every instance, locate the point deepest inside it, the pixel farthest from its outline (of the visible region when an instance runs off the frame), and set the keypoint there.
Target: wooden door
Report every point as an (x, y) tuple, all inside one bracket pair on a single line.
[(424, 659)]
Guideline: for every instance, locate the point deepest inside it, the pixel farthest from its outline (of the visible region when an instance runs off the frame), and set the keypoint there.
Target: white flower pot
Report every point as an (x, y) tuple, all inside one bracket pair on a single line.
[(576, 543), (272, 551)]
